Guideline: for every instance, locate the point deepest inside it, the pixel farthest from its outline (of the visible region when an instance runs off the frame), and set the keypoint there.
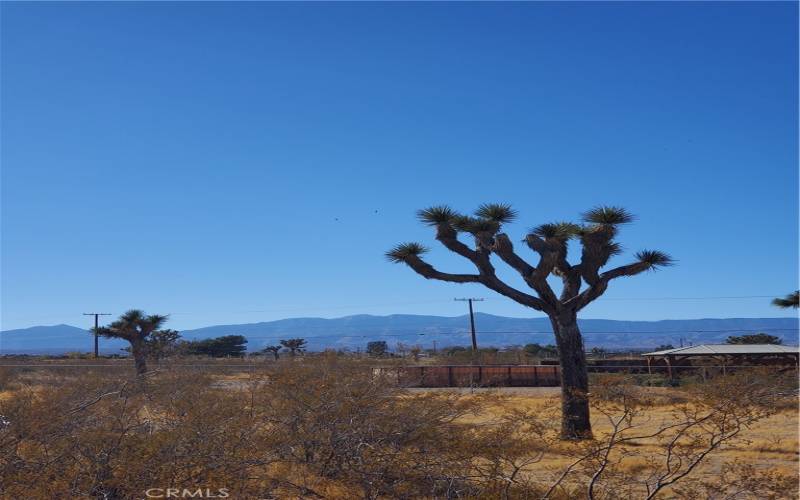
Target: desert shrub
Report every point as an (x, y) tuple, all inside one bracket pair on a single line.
[(329, 427), (301, 428), (711, 418), (764, 387), (345, 422), (78, 355), (105, 437), (742, 481)]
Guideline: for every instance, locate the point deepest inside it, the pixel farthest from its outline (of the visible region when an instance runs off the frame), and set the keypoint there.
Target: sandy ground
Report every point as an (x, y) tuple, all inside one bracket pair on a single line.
[(770, 444)]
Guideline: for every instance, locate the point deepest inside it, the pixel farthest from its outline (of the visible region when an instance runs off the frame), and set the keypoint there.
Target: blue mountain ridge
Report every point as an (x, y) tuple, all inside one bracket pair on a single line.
[(353, 332)]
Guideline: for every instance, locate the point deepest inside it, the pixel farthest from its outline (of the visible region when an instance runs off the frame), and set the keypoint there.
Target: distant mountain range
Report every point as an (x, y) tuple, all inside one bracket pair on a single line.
[(353, 332)]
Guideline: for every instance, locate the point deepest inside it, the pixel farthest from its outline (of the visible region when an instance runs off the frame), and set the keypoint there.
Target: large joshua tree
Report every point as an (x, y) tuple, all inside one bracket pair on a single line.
[(137, 328), (581, 283)]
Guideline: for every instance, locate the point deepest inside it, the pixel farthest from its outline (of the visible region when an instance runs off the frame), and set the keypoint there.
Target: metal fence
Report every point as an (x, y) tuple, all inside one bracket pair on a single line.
[(422, 376), (543, 375)]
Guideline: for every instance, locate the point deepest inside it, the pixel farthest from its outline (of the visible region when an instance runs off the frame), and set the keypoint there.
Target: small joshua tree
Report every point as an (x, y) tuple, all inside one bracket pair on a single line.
[(137, 328), (294, 345), (377, 348), (549, 241), (162, 343), (274, 349)]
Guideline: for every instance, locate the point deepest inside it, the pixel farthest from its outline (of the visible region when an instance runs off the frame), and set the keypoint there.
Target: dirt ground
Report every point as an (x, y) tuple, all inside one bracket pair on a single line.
[(773, 443)]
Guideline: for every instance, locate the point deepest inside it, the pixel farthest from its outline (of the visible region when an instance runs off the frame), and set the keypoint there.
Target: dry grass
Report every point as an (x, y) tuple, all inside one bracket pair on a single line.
[(230, 406)]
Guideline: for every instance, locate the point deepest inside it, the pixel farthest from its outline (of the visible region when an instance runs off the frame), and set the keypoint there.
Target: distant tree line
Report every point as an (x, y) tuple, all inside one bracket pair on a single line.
[(219, 347), (292, 346), (757, 338)]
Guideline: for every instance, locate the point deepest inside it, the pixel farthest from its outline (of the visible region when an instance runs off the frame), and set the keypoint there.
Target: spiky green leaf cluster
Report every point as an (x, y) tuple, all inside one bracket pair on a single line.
[(560, 230), (655, 258), (607, 215), (403, 251), (501, 213), (463, 223), (474, 225), (132, 324), (484, 226), (435, 215), (614, 248)]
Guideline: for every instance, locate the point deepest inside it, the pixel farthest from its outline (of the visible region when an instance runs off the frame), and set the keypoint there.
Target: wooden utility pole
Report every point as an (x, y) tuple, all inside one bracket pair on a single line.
[(472, 321), (96, 325)]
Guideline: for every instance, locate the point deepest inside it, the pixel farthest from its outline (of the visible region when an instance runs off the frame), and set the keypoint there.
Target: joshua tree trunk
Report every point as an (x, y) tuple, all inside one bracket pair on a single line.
[(574, 378), (139, 352)]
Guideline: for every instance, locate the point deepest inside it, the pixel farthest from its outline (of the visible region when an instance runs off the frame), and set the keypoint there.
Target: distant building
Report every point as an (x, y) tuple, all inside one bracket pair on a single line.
[(725, 355)]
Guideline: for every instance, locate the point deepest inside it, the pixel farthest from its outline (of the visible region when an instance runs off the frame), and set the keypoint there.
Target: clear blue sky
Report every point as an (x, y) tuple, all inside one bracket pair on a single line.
[(225, 162)]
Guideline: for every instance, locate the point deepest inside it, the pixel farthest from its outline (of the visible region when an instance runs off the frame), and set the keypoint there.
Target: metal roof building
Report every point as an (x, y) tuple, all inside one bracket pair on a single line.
[(727, 349), (728, 354)]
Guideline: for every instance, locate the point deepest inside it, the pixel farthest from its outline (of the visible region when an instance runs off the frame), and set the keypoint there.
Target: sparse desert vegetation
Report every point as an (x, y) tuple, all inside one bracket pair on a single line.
[(399, 250), (328, 427)]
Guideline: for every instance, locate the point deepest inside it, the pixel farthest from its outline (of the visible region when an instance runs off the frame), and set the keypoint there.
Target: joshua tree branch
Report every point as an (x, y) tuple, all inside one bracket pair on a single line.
[(571, 279), (428, 271), (548, 253), (598, 247), (629, 270), (536, 243), (600, 285), (449, 238), (494, 283), (587, 296), (487, 277), (554, 259), (535, 277), (505, 250)]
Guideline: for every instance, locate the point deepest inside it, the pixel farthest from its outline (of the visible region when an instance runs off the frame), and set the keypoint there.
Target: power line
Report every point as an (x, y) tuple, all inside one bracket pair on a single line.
[(303, 308), (326, 308), (249, 311), (434, 301), (718, 297), (420, 334), (731, 330), (519, 332)]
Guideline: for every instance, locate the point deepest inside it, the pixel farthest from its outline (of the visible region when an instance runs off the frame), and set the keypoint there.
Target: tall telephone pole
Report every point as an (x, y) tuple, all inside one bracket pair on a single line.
[(471, 321), (96, 325)]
